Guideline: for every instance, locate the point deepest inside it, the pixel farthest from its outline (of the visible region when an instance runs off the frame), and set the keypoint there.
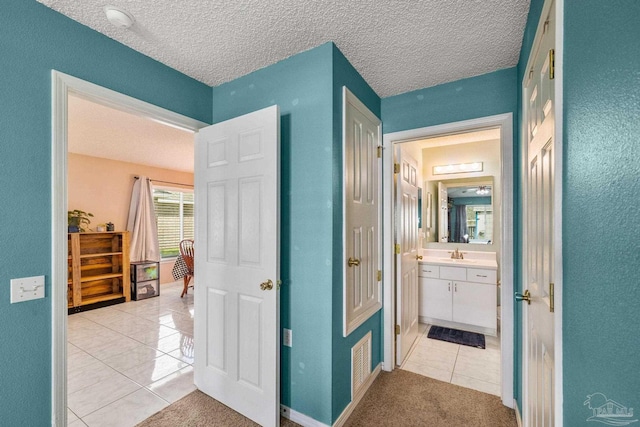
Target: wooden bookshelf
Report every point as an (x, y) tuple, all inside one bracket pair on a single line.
[(98, 268)]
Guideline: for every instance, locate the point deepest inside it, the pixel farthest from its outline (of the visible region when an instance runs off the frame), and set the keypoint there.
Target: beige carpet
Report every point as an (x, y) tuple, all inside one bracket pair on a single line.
[(402, 398), (399, 398)]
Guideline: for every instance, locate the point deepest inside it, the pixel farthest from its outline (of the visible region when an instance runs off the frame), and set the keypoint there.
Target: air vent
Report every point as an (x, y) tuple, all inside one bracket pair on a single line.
[(360, 364)]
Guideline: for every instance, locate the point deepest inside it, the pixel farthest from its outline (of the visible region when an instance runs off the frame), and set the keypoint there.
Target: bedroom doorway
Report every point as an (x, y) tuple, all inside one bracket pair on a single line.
[(67, 93)]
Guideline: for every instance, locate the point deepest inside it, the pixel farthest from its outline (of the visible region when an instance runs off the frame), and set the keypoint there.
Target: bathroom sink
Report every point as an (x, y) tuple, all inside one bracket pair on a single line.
[(457, 261)]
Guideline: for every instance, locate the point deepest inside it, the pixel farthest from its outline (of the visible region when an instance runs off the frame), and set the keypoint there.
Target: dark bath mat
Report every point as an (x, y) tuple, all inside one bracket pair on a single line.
[(457, 337)]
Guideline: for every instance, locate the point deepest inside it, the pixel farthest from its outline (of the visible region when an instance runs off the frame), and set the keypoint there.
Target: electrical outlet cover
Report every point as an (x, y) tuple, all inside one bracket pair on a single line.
[(27, 288)]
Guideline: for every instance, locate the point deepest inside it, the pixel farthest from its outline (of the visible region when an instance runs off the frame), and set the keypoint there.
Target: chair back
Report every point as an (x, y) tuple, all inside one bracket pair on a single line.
[(186, 250)]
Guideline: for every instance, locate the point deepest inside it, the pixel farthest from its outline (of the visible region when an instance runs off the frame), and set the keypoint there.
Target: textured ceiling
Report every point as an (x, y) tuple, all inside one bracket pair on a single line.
[(99, 131), (396, 45)]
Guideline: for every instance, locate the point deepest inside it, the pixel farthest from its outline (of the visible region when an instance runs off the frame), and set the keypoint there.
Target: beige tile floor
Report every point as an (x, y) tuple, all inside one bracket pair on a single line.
[(128, 361), (469, 367)]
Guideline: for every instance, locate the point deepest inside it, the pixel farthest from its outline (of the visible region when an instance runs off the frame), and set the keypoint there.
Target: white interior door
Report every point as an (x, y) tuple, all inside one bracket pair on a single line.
[(362, 296), (407, 261), (539, 339), (236, 318), (443, 213)]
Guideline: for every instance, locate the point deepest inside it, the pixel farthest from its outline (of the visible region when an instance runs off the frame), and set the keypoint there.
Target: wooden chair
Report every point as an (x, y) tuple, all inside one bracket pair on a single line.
[(186, 250)]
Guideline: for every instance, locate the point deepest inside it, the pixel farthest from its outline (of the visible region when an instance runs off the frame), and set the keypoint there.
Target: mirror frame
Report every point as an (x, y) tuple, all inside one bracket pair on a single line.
[(432, 225)]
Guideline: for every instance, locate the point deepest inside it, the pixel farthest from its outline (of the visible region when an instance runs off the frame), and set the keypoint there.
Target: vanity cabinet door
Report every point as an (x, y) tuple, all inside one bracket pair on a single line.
[(475, 304), (435, 298)]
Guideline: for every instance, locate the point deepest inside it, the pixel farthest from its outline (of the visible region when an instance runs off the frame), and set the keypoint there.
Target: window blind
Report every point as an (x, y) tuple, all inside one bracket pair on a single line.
[(174, 219)]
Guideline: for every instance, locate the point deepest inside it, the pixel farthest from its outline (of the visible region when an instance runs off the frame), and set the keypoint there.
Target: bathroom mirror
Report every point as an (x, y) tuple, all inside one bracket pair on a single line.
[(463, 210)]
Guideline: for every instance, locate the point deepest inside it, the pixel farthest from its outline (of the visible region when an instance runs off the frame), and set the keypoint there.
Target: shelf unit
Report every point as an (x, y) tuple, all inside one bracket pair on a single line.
[(98, 269)]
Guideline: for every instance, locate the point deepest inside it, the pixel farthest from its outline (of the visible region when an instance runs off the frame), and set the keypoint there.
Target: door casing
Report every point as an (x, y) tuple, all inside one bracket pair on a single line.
[(505, 122), (61, 86)]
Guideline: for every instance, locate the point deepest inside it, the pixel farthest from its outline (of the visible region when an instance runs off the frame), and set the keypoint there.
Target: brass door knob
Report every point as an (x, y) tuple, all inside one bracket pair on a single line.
[(524, 297), (418, 257), (266, 286), (353, 262)]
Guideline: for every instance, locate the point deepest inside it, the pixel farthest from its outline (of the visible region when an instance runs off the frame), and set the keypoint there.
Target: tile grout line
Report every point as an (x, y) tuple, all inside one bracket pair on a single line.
[(120, 335)]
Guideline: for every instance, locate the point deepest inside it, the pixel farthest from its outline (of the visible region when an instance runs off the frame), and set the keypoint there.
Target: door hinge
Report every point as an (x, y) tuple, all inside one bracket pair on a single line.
[(552, 64), (397, 329), (396, 249), (552, 297), (379, 275), (379, 151), (396, 168)]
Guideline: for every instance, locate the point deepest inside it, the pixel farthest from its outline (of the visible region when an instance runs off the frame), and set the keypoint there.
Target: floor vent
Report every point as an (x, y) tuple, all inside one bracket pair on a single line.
[(360, 364)]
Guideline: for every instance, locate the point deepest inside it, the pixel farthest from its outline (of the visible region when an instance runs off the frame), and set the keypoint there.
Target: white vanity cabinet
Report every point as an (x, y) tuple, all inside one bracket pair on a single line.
[(458, 297)]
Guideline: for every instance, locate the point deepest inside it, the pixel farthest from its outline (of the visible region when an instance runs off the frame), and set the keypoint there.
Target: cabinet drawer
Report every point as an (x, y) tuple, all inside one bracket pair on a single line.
[(481, 276), (427, 270), (453, 273)]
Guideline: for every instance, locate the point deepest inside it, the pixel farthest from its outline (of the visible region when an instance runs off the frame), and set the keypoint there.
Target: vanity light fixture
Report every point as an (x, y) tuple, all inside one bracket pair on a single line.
[(118, 17), (482, 190), (459, 168)]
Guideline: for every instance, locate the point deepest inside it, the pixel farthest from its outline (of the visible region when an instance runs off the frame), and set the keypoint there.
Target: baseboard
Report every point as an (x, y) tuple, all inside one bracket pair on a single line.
[(300, 418), (352, 405), (306, 421), (95, 305), (518, 417)]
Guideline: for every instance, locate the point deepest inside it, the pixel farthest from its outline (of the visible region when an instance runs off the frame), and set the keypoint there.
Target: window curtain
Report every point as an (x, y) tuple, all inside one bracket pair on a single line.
[(461, 224), (142, 223)]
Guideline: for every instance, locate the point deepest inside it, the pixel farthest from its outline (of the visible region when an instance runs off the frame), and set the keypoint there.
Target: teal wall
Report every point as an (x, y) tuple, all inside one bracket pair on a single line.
[(601, 211), (34, 40), (345, 75), (480, 96), (302, 87)]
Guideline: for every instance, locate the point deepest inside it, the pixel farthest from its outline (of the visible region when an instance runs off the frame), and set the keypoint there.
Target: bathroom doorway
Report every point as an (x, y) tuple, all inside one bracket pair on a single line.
[(473, 160)]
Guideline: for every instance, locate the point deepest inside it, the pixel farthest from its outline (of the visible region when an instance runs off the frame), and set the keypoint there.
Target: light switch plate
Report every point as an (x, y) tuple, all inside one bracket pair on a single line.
[(27, 288), (287, 337)]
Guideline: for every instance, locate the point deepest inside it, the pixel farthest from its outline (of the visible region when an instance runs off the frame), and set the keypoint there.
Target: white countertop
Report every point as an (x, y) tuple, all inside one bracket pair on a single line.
[(472, 259)]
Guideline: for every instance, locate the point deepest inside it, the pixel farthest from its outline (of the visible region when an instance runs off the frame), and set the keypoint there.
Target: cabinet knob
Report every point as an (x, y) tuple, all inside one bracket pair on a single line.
[(353, 262), (418, 257)]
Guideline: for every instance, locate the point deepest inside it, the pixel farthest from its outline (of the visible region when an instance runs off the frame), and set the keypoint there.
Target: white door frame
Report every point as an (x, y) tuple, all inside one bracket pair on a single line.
[(505, 122), (557, 214), (61, 86)]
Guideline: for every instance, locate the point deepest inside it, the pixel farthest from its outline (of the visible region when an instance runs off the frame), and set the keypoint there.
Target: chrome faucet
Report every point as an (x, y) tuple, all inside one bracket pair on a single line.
[(457, 254)]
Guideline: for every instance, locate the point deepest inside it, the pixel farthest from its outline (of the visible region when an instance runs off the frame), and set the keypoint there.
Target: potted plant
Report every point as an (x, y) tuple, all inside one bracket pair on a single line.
[(77, 219)]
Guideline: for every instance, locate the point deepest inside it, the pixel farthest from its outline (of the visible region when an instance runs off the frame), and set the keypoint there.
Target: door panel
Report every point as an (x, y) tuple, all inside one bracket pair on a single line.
[(237, 228), (407, 261), (362, 296), (539, 335), (443, 213)]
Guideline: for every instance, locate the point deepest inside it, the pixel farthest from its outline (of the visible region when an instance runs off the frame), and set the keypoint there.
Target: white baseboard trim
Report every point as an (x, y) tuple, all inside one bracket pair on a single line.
[(518, 417), (300, 418), (307, 421), (356, 399)]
